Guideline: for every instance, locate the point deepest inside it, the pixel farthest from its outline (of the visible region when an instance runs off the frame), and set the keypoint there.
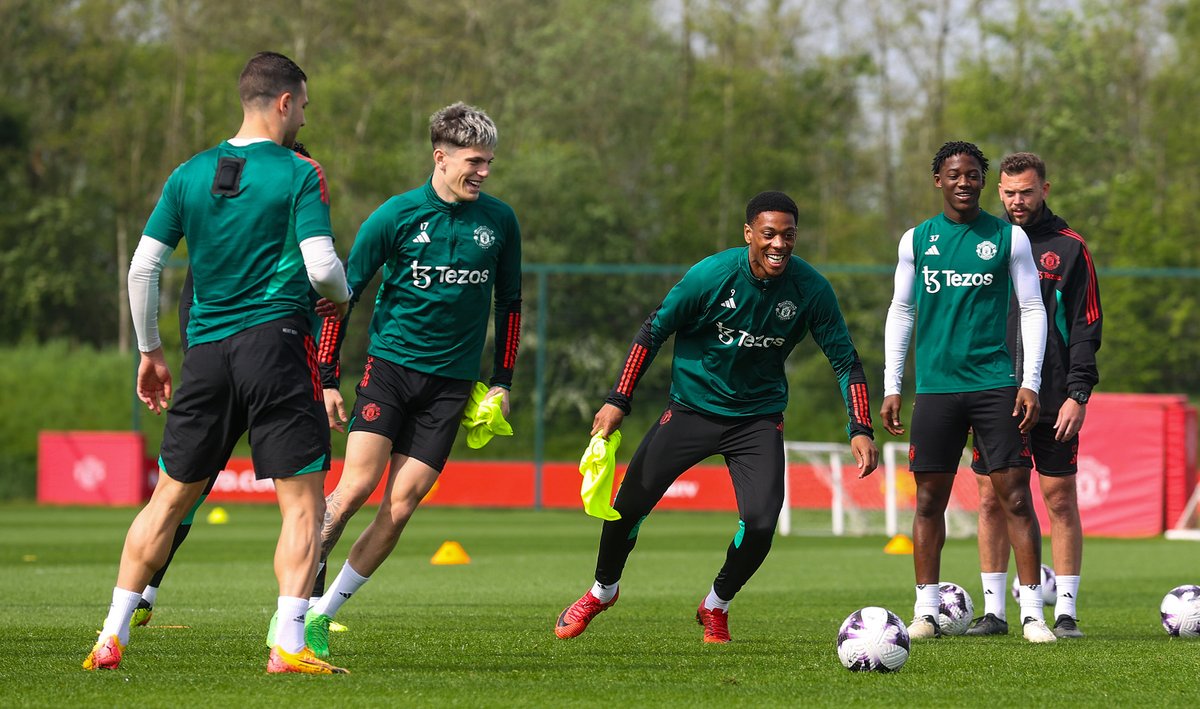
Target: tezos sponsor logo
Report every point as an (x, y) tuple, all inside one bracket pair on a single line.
[(424, 276), (741, 338), (485, 237), (786, 310), (935, 279)]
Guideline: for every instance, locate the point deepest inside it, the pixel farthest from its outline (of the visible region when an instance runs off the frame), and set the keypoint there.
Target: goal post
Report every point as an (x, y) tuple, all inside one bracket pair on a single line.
[(823, 495), (1187, 527)]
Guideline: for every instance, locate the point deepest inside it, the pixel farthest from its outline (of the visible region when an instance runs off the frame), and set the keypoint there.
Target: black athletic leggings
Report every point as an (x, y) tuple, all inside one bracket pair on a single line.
[(753, 449)]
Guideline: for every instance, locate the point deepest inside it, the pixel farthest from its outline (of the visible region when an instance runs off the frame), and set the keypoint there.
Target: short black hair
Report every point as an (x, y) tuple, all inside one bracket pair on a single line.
[(959, 147), (771, 202), (267, 76)]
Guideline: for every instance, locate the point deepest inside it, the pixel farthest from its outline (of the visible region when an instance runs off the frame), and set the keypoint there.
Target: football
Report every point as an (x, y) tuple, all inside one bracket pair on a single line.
[(955, 608), (1180, 611), (1049, 590), (873, 639)]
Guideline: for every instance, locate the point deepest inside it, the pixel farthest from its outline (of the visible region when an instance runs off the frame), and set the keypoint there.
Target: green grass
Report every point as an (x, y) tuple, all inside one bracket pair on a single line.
[(480, 634)]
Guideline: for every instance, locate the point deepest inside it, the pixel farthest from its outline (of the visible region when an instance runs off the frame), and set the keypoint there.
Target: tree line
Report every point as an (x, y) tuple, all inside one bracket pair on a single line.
[(632, 131)]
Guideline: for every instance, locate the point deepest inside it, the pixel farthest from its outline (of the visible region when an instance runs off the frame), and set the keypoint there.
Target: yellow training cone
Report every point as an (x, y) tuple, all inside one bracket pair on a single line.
[(899, 544), (450, 553), (218, 515)]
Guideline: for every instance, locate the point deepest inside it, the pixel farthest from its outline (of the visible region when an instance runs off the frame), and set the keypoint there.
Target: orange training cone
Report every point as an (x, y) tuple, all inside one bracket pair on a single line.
[(450, 553), (899, 544)]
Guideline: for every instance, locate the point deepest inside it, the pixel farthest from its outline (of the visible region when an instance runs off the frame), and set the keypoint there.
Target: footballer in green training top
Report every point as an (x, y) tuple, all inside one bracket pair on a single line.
[(447, 251), (955, 274), (736, 317), (255, 216)]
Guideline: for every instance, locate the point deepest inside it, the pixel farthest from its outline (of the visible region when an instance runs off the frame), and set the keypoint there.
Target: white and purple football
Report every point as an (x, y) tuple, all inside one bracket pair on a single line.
[(955, 608), (1049, 589), (873, 639), (1180, 610)]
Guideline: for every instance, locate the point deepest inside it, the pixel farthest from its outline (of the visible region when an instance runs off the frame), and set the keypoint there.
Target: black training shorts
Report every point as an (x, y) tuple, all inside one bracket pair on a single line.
[(940, 423), (420, 413), (262, 379), (1054, 459)]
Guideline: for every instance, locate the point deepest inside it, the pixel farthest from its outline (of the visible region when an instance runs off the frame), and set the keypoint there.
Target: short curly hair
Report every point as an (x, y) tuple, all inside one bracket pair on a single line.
[(959, 147), (771, 202)]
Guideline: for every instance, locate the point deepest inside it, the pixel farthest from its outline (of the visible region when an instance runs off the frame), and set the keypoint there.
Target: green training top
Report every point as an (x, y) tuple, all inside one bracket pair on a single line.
[(734, 331), (243, 231), (441, 261), (962, 286)]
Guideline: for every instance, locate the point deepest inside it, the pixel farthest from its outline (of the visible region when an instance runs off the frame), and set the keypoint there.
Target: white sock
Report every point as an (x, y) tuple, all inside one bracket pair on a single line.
[(1068, 591), (343, 587), (604, 593), (289, 631), (119, 613), (928, 599), (312, 600), (995, 593), (1031, 602), (713, 601), (150, 595)]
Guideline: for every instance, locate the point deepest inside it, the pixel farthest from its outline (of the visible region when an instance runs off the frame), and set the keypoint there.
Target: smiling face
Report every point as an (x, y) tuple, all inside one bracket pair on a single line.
[(771, 237), (1023, 195), (458, 173), (961, 180)]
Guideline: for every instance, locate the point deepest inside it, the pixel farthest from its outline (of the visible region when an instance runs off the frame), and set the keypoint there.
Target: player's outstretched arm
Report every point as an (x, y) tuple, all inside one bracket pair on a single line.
[(890, 413)]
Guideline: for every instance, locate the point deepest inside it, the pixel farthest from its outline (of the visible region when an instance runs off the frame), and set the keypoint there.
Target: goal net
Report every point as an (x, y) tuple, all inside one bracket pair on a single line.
[(823, 494)]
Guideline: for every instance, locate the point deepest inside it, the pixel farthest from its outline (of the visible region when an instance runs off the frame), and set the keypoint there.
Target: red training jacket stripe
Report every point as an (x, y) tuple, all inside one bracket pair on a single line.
[(513, 340), (860, 405), (329, 334), (633, 367), (320, 177), (1093, 302), (311, 351)]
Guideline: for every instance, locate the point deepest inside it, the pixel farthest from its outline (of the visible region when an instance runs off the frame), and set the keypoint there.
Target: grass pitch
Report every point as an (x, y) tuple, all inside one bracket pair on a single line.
[(481, 634)]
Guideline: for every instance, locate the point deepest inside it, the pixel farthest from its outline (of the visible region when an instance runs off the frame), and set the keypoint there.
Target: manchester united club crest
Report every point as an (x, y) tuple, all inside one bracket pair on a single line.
[(665, 418), (1051, 261), (371, 412), (786, 310), (986, 250), (485, 237)]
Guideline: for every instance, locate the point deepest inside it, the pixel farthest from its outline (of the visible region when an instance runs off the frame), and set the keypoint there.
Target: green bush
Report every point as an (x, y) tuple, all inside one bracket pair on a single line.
[(57, 387)]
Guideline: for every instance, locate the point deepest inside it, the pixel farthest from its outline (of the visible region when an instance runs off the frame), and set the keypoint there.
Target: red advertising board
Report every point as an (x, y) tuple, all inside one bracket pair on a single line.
[(1129, 444), (1137, 466), (92, 468)]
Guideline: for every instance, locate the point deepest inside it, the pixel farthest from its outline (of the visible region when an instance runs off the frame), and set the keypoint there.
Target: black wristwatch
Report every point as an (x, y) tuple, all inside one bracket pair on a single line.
[(1079, 396)]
